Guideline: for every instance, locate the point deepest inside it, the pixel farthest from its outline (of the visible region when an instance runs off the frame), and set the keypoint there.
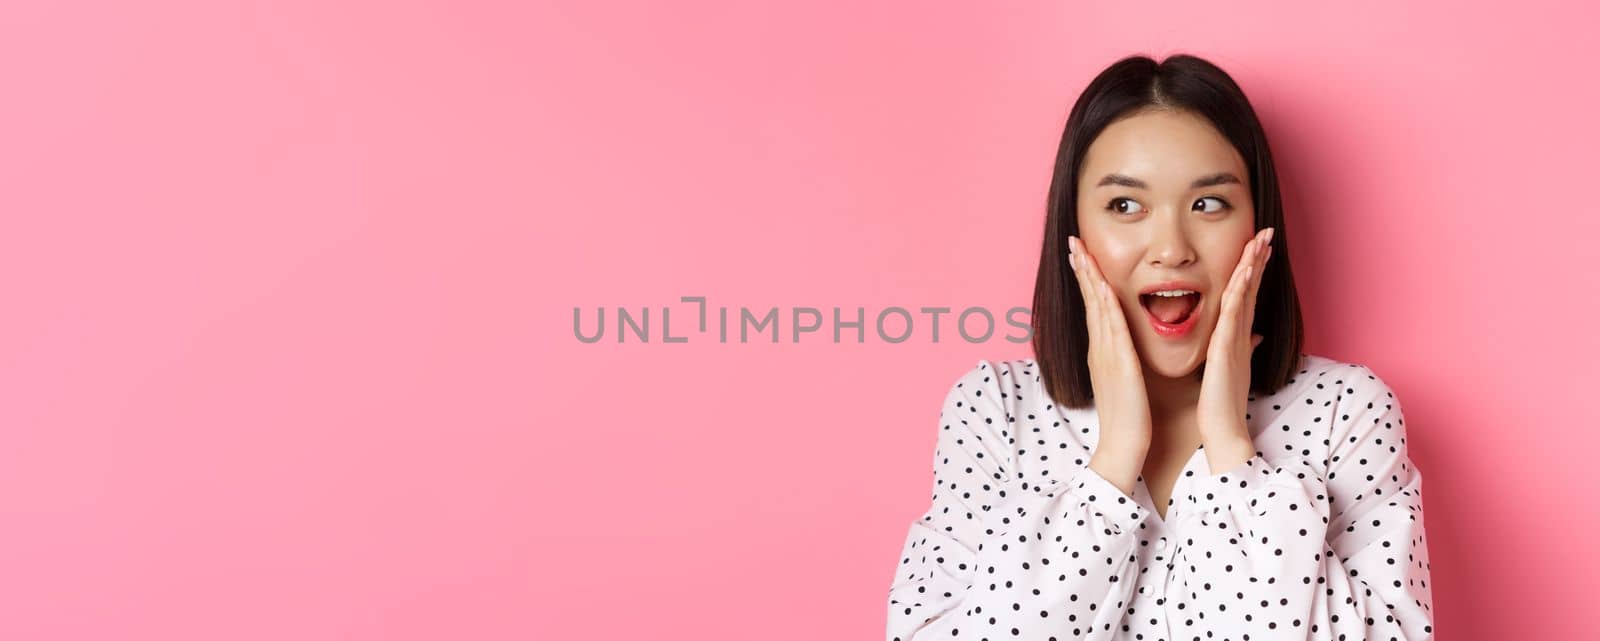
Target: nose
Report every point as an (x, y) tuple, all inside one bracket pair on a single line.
[(1169, 243)]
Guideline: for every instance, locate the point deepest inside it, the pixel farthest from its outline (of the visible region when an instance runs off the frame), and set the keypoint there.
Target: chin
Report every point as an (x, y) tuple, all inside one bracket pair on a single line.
[(1175, 359), (1173, 364)]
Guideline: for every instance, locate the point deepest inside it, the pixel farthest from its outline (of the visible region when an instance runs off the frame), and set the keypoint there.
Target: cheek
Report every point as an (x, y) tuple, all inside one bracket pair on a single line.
[(1228, 255), (1115, 257), (1219, 278)]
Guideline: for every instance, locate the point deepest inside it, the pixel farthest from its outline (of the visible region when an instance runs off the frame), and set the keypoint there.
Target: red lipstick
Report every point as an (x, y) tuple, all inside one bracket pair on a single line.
[(1174, 330), (1180, 328), (1171, 284)]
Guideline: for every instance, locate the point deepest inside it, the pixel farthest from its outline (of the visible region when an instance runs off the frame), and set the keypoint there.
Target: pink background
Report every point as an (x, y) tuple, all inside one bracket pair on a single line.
[(287, 347)]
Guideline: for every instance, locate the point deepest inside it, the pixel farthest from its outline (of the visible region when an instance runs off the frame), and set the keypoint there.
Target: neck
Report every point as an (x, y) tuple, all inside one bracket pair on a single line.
[(1172, 396)]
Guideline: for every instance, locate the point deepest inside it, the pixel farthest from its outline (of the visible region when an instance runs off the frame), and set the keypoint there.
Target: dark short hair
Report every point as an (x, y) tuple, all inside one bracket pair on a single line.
[(1184, 83)]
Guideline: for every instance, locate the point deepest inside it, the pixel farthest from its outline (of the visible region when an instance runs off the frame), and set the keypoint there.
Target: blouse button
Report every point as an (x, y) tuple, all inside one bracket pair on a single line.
[(1161, 544)]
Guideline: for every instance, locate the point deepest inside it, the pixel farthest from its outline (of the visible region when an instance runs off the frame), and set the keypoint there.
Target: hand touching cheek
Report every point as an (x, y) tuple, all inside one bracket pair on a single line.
[(1225, 385)]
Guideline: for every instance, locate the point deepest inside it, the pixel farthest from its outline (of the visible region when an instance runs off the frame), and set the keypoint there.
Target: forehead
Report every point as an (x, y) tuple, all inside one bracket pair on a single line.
[(1167, 149)]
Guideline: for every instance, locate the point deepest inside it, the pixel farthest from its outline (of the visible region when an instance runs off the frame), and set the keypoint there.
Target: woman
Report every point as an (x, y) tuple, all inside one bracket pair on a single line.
[(1170, 465)]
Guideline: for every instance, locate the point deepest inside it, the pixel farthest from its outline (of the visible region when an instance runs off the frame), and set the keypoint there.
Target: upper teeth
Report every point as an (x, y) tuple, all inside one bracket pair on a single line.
[(1174, 292)]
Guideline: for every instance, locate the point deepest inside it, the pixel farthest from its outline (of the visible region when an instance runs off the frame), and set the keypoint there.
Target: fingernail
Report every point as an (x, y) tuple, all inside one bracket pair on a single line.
[(1270, 232)]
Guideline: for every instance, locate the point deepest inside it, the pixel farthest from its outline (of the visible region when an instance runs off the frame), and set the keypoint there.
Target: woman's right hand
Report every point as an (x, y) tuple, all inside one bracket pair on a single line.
[(1120, 398)]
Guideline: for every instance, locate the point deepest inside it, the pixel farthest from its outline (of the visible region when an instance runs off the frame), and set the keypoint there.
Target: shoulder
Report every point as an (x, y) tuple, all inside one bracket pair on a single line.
[(998, 377), (1323, 375), (1355, 385), (994, 388), (978, 414), (1365, 405), (1329, 401)]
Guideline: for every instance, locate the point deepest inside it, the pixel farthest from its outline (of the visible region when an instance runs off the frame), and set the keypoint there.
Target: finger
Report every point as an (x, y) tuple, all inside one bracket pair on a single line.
[(1102, 298), (1262, 247), (1246, 259), (1261, 270), (1248, 305), (1250, 262), (1110, 308), (1090, 293), (1118, 323), (1093, 268), (1230, 293), (1106, 301), (1081, 275), (1223, 333), (1114, 320), (1106, 307)]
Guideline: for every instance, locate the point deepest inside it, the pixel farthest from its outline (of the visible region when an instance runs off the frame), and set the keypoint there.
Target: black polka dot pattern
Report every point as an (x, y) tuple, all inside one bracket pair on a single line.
[(1317, 536)]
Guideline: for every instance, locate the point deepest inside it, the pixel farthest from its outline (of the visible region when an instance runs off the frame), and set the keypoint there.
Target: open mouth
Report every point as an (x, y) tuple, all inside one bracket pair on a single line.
[(1170, 310)]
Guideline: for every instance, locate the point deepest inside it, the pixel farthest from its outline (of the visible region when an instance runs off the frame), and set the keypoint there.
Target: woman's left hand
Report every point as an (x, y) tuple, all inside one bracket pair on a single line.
[(1225, 384)]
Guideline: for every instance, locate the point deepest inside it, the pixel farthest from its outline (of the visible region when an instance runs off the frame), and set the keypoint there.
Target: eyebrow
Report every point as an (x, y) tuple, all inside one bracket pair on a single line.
[(1219, 178)]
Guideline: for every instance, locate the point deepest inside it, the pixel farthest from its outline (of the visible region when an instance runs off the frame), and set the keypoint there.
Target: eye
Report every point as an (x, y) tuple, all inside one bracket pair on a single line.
[(1115, 207), (1225, 206)]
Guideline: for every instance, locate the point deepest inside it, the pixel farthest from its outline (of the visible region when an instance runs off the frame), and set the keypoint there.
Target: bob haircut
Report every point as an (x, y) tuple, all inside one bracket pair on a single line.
[(1132, 85)]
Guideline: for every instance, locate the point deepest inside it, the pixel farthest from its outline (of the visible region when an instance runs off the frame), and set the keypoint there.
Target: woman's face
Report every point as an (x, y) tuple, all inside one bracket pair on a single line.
[(1163, 196)]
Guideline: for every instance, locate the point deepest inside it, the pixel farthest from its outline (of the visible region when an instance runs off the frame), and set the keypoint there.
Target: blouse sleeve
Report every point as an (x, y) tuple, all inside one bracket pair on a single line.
[(1282, 553), (996, 556)]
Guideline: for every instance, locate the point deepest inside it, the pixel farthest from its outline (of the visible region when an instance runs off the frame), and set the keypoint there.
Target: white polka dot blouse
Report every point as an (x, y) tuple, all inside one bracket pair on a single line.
[(1318, 536)]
